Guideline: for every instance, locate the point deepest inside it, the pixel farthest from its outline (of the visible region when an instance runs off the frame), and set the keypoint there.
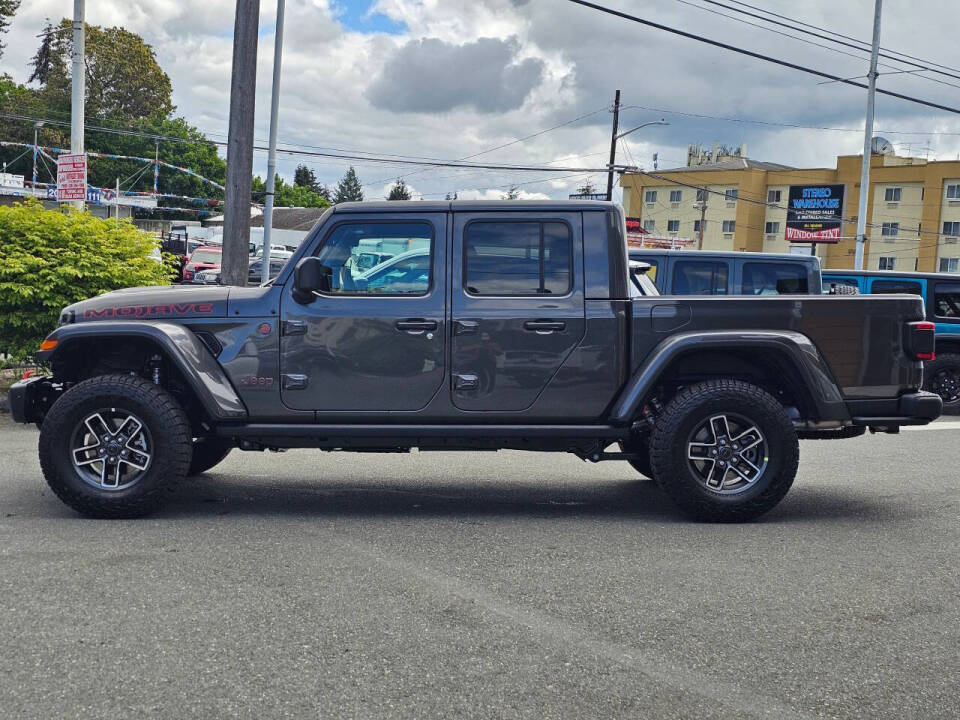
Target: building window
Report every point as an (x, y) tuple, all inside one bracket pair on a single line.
[(772, 228), (701, 195), (773, 196), (892, 194), (517, 258), (696, 225), (675, 195), (730, 195), (650, 196), (953, 192), (649, 225), (949, 264), (673, 226), (888, 263), (890, 229), (951, 228), (729, 226)]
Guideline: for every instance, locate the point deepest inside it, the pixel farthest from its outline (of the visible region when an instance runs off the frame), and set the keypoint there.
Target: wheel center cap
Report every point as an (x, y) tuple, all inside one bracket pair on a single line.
[(725, 453), (113, 449)]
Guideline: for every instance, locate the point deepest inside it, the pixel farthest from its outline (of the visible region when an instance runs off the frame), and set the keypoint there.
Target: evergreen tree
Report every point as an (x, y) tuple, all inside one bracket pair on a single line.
[(349, 188), (512, 194), (305, 177), (399, 191), (8, 9)]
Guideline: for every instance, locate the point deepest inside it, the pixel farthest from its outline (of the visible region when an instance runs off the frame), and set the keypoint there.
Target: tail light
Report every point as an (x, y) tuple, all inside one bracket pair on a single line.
[(921, 340)]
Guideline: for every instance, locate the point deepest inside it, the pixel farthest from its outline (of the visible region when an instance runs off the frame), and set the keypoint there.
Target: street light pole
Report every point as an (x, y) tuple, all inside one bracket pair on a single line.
[(867, 141), (272, 155), (613, 144), (36, 150), (78, 84)]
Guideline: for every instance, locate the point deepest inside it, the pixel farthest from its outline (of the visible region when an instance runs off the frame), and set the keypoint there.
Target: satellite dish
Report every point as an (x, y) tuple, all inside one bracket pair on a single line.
[(881, 146)]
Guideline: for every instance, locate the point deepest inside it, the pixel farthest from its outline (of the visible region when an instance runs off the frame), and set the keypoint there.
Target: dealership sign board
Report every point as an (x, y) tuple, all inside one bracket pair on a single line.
[(71, 177), (814, 213)]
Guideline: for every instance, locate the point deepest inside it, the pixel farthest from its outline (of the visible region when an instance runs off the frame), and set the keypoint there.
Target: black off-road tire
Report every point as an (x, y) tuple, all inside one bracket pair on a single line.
[(169, 431), (207, 453), (698, 403), (949, 362), (641, 463)]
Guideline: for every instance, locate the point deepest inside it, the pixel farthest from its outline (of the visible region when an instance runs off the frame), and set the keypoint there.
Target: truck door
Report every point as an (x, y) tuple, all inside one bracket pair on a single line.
[(376, 339), (517, 305)]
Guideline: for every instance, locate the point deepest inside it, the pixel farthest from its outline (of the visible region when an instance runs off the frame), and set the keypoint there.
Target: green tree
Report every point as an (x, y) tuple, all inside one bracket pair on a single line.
[(349, 188), (288, 195), (123, 79), (305, 177), (8, 8), (49, 259), (512, 194), (399, 191)]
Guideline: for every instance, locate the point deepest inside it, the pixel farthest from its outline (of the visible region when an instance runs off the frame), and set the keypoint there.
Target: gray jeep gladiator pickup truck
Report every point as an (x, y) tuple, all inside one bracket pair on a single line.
[(490, 326)]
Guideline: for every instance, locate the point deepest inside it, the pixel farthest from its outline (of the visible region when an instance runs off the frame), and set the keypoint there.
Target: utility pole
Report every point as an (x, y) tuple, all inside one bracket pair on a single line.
[(36, 149), (156, 166), (613, 144), (703, 216), (243, 85), (272, 155), (868, 141), (79, 82)]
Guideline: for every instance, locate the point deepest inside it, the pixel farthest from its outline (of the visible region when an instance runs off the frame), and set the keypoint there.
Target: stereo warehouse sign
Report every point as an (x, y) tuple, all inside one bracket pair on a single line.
[(814, 213)]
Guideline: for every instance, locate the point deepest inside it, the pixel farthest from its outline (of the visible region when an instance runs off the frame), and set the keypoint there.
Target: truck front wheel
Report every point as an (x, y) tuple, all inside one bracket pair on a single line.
[(114, 445), (724, 451)]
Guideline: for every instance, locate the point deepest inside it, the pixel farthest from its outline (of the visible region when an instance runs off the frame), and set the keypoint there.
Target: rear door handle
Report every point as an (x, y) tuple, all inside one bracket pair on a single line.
[(544, 327), (416, 326), (465, 327)]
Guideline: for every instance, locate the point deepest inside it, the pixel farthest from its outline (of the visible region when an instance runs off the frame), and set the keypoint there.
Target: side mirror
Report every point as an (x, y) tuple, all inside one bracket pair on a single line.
[(310, 276)]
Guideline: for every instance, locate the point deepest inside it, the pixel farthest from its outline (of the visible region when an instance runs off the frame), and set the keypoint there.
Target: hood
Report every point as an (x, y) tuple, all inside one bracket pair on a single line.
[(150, 303)]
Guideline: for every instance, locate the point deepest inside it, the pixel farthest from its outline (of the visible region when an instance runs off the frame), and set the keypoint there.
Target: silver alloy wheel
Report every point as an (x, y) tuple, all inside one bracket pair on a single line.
[(727, 453), (111, 449)]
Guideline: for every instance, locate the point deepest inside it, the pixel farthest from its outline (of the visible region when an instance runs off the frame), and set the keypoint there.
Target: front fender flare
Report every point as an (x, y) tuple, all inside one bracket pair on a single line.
[(184, 349), (794, 347)]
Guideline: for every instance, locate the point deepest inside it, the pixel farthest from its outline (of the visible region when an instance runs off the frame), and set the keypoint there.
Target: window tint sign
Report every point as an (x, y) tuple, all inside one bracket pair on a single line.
[(814, 213)]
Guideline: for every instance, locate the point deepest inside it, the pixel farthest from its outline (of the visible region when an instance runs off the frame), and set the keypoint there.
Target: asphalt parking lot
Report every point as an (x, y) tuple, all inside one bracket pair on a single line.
[(487, 585)]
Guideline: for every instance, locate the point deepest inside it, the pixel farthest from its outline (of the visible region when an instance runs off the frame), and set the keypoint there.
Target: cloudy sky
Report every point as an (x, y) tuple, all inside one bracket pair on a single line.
[(455, 78)]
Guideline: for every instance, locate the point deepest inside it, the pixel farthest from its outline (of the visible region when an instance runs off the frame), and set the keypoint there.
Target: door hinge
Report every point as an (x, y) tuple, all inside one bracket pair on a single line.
[(294, 382)]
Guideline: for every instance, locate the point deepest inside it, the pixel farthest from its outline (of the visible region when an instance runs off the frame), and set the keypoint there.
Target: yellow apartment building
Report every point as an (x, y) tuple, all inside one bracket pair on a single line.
[(913, 208)]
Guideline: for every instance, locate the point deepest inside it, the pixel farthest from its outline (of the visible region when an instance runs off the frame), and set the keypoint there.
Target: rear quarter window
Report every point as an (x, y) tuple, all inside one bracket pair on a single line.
[(946, 300), (699, 277), (896, 287)]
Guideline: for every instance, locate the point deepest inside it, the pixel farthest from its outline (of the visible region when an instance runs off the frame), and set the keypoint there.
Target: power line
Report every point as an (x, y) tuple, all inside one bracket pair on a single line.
[(841, 35), (759, 56), (858, 47)]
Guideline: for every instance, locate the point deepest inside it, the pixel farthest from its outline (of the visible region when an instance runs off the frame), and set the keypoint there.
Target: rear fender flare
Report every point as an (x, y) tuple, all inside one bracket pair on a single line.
[(793, 347), (199, 368)]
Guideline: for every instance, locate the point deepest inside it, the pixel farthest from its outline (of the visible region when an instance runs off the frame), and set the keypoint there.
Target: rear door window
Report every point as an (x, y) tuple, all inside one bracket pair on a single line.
[(699, 277), (518, 258), (896, 287), (767, 278), (946, 300)]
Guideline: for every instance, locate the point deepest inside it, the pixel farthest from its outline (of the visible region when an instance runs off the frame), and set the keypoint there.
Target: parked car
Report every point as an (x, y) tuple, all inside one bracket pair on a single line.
[(210, 276), (697, 272), (507, 325), (204, 257), (941, 294), (255, 273)]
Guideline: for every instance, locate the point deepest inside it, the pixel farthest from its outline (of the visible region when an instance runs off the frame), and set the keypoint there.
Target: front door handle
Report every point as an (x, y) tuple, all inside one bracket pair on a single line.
[(465, 327), (544, 327), (416, 326)]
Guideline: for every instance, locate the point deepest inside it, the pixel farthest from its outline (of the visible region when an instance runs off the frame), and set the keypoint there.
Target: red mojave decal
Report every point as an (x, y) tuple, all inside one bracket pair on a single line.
[(148, 311)]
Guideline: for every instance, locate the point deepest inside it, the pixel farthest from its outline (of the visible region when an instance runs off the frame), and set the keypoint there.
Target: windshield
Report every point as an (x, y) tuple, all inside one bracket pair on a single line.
[(205, 256)]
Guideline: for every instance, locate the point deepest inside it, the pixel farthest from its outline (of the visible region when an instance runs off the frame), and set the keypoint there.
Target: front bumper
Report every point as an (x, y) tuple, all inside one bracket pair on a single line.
[(30, 398), (916, 408)]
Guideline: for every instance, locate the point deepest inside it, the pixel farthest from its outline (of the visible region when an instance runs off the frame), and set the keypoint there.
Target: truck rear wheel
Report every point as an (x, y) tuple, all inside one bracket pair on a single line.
[(208, 452), (113, 446), (724, 451), (942, 376)]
